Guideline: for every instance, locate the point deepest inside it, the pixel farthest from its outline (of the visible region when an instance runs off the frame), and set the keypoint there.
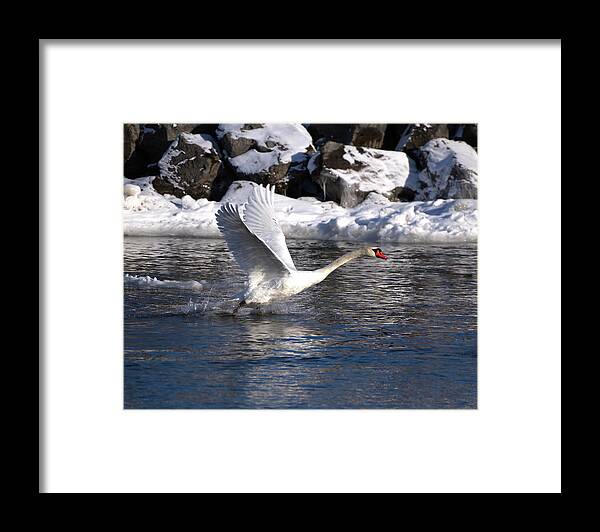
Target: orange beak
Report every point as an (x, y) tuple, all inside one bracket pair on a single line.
[(380, 255)]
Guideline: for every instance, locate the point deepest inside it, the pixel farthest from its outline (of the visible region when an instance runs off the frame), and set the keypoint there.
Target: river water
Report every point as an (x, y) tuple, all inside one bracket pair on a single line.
[(400, 333)]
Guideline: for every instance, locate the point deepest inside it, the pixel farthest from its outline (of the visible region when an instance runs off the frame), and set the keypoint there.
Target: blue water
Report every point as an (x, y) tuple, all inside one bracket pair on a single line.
[(400, 333)]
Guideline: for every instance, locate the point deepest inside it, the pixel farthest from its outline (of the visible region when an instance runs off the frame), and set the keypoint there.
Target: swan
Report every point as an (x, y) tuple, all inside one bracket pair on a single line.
[(257, 243)]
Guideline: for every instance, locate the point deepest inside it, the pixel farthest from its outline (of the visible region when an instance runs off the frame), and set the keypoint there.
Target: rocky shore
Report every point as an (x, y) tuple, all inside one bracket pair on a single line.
[(415, 182)]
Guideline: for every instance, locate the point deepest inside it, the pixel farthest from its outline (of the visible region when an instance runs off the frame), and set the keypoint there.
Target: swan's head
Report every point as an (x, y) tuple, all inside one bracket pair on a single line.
[(376, 252)]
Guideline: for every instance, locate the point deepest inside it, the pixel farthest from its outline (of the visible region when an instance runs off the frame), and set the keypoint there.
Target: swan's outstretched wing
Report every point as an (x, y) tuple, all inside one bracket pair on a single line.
[(254, 253), (259, 217)]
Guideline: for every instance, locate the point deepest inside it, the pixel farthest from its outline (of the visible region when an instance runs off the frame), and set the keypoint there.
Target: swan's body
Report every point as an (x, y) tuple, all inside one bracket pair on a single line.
[(258, 245)]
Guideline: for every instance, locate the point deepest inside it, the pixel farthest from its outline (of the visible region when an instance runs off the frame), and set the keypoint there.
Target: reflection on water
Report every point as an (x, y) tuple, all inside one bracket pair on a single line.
[(400, 333)]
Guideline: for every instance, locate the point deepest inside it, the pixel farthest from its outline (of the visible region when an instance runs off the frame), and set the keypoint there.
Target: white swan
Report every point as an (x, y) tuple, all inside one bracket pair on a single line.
[(258, 245)]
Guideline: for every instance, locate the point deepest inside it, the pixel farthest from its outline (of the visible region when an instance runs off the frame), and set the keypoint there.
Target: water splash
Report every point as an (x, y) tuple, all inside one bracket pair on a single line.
[(147, 281)]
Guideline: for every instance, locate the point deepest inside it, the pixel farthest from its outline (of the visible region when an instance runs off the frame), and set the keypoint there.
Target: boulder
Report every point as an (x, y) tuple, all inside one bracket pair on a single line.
[(347, 174), (150, 145), (449, 170), (172, 130), (131, 134), (189, 166), (264, 153), (301, 186), (150, 141), (364, 135), (416, 135)]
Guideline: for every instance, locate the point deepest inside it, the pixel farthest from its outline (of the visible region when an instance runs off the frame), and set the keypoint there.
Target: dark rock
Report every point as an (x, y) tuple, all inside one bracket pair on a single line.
[(299, 182), (393, 134), (416, 135), (332, 157), (149, 148), (172, 130), (249, 127), (368, 135), (154, 141), (220, 184), (236, 146), (302, 187), (404, 194), (364, 135), (189, 166), (131, 134), (150, 142)]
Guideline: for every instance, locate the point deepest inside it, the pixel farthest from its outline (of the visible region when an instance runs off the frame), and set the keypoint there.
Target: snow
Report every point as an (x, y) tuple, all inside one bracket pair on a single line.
[(443, 153), (376, 219), (131, 190), (197, 139), (253, 162), (380, 171)]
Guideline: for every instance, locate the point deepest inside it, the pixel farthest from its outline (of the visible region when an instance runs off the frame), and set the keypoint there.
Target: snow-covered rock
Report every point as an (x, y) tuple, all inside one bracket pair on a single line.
[(145, 144), (449, 170), (189, 166), (416, 135), (264, 152), (376, 219), (364, 135), (347, 174)]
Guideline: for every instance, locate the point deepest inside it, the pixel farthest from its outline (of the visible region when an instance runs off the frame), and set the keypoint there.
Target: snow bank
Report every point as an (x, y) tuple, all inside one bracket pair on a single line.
[(376, 219)]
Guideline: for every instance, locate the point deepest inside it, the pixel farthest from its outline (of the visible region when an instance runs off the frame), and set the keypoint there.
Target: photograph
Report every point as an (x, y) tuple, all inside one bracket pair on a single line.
[(299, 284), (300, 265)]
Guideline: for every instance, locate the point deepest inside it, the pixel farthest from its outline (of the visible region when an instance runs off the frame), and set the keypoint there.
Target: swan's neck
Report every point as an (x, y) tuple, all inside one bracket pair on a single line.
[(325, 271)]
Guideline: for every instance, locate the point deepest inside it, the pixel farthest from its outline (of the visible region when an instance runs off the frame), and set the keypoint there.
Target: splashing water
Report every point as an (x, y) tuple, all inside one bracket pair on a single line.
[(152, 282)]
